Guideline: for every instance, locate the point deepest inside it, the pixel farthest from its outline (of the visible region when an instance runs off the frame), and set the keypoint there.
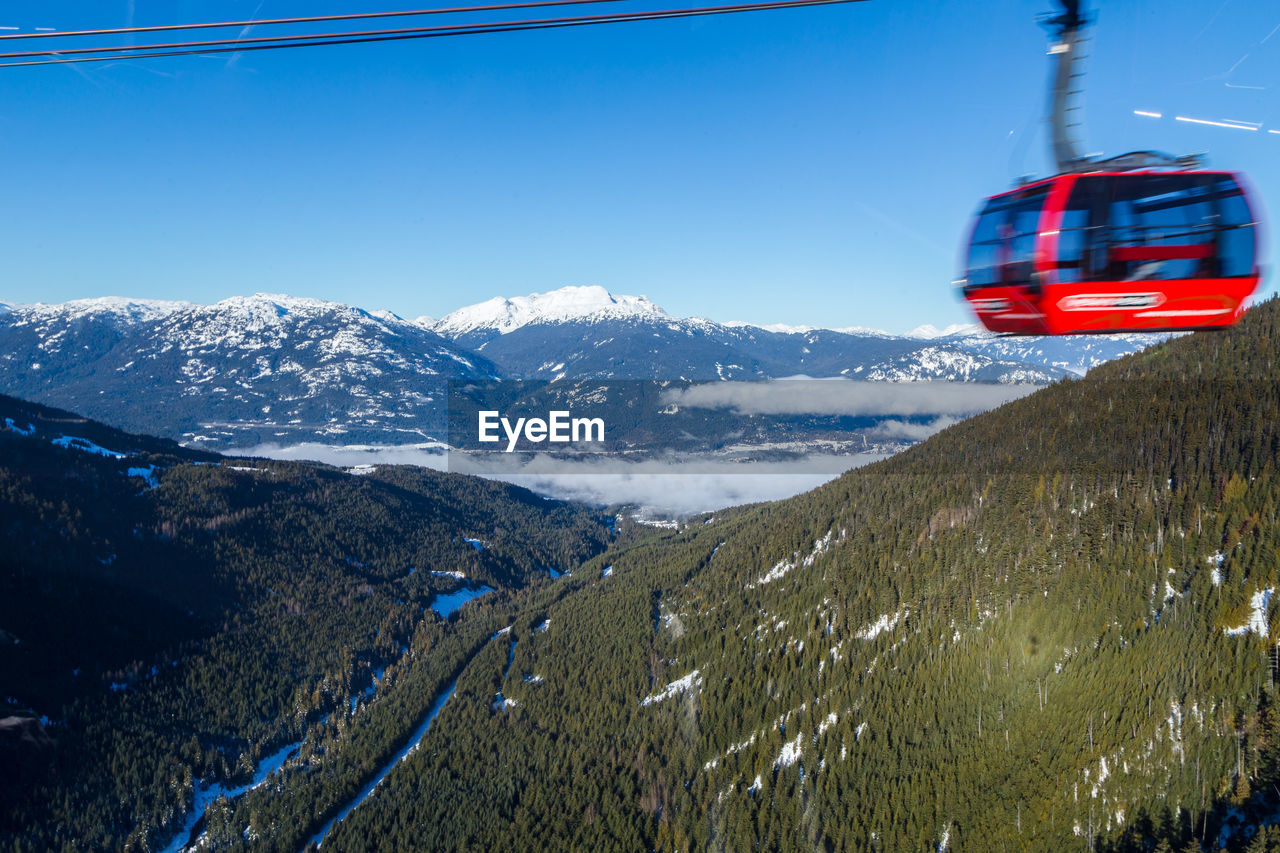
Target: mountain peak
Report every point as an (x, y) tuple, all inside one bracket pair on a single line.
[(929, 331), (278, 303), (117, 307), (505, 315)]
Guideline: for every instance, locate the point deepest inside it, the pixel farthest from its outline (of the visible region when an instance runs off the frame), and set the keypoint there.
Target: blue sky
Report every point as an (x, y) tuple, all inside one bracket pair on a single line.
[(814, 166)]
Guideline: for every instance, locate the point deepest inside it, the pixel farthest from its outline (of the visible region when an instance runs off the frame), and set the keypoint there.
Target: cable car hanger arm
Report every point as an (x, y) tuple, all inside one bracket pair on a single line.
[(1066, 29)]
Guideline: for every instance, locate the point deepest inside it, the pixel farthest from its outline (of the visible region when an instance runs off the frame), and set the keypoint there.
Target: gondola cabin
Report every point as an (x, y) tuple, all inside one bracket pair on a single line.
[(1112, 252)]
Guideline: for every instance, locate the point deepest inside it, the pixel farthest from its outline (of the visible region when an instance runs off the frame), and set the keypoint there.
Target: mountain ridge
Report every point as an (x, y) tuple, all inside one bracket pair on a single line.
[(242, 371), (570, 320), (284, 370)]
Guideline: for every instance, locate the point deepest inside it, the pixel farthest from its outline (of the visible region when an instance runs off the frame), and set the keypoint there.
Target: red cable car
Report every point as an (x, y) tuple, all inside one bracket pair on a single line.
[(1139, 242), (1114, 252)]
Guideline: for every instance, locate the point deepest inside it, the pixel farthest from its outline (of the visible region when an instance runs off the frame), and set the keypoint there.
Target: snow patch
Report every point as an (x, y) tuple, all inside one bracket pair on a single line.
[(887, 622), (74, 443), (1259, 604), (784, 566), (680, 685), (666, 524), (10, 425), (205, 794), (445, 603), (790, 754), (147, 475)]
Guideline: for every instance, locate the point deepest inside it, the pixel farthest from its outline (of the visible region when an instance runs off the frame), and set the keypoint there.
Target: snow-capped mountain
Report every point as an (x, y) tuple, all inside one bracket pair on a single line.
[(1075, 354), (500, 316), (587, 332), (943, 363), (286, 370), (788, 329), (930, 332), (241, 371), (114, 308)]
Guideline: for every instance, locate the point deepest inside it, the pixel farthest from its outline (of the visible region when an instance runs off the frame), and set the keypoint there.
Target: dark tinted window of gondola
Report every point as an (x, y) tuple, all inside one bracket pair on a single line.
[(1082, 252), (1109, 221), (1237, 242), (1004, 239)]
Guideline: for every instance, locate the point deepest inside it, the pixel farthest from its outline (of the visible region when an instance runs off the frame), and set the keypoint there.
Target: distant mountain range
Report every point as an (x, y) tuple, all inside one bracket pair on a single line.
[(587, 332), (283, 369), (244, 370)]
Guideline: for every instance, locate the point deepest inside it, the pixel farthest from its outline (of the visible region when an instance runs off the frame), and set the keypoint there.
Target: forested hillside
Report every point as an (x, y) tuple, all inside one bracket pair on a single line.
[(168, 618), (1046, 628)]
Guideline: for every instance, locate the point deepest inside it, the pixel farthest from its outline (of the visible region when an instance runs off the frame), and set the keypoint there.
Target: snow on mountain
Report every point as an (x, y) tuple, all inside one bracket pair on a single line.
[(390, 316), (589, 333), (37, 333), (266, 321), (778, 328), (287, 370), (118, 308), (247, 369), (1073, 353), (504, 315), (943, 363), (929, 332), (864, 331), (787, 329)]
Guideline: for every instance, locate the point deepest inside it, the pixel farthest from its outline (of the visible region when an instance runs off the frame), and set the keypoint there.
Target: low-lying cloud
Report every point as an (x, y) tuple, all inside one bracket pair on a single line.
[(658, 488), (432, 456), (894, 428), (847, 397)]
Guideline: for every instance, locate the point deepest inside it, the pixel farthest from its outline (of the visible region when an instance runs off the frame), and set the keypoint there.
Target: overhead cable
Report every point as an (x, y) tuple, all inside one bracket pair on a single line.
[(76, 55), (207, 25)]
